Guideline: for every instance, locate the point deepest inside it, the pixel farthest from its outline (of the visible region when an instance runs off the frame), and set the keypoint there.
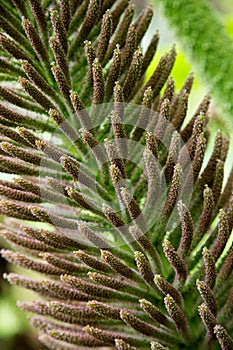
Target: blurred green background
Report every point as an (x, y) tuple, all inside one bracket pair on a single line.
[(15, 333)]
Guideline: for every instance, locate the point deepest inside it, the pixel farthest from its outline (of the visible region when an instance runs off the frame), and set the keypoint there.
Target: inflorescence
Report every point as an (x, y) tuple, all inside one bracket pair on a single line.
[(107, 197)]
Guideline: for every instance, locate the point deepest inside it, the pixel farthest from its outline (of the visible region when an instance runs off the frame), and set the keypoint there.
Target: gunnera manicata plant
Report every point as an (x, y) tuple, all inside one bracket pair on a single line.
[(106, 199)]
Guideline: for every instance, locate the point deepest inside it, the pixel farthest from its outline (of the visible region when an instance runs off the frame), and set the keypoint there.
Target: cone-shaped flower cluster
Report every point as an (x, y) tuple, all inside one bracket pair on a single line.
[(107, 197)]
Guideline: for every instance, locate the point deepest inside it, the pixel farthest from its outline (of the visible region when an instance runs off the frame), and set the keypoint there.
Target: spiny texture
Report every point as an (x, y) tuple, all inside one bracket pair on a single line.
[(106, 197)]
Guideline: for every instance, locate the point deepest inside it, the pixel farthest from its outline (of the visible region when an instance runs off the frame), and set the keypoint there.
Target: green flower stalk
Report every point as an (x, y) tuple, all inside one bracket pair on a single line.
[(106, 198), (205, 40)]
